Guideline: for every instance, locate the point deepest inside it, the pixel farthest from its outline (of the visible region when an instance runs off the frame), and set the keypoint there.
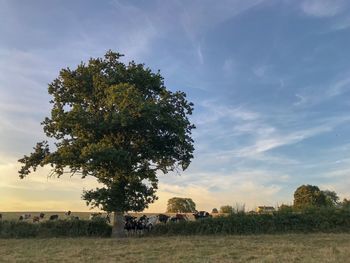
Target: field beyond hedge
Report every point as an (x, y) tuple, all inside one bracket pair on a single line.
[(261, 248)]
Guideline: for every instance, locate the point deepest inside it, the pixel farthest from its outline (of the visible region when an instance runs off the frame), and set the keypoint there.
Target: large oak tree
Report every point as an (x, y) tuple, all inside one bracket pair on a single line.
[(119, 123)]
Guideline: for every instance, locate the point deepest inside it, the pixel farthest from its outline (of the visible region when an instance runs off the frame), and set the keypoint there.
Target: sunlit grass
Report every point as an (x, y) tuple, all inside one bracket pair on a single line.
[(262, 248)]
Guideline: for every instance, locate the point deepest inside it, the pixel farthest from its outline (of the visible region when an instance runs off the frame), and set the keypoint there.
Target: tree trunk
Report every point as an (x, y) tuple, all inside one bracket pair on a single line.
[(118, 225)]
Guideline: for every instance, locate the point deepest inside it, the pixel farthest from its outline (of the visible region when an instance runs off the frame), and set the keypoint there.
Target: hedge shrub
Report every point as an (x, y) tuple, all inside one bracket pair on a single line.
[(60, 228), (317, 220)]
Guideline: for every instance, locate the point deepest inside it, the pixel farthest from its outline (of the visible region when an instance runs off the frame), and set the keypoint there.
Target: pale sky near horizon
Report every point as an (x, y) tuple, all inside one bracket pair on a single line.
[(269, 79)]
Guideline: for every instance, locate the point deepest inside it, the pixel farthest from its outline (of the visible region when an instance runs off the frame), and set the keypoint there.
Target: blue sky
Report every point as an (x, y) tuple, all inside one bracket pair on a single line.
[(269, 79)]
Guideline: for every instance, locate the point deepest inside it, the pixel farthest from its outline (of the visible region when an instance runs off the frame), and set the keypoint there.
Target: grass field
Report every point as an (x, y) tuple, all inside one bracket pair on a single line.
[(261, 248)]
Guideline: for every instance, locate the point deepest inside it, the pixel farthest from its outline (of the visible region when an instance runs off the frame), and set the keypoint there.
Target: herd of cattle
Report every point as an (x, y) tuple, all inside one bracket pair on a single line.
[(131, 223)]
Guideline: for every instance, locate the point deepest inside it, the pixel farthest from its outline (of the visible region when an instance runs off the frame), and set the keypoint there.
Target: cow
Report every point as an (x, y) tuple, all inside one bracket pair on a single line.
[(178, 218), (201, 215), (163, 218), (36, 219), (42, 215), (151, 222), (24, 217), (53, 217), (108, 217), (130, 223), (68, 213)]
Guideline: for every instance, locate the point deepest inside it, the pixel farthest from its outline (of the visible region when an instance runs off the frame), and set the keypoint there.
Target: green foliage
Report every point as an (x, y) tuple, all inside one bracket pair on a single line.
[(309, 196), (332, 198), (180, 205), (285, 208), (60, 228), (345, 204), (312, 220), (226, 209), (118, 123)]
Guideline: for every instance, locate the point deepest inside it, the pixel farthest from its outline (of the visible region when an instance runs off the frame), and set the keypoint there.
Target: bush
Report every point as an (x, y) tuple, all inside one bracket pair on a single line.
[(60, 228), (226, 209), (312, 220)]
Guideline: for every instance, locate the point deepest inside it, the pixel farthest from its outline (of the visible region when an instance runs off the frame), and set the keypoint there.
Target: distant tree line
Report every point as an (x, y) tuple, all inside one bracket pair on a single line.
[(305, 197)]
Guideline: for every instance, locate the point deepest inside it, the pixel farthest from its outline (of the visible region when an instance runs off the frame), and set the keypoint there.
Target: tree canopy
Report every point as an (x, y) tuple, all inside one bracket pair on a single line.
[(118, 123), (181, 205), (228, 209), (309, 196), (332, 198)]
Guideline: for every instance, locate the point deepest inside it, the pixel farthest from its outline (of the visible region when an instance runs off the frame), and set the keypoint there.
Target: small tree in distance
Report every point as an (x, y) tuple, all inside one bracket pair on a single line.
[(214, 211), (308, 196), (285, 208), (345, 204), (119, 124), (180, 205), (332, 199), (226, 209)]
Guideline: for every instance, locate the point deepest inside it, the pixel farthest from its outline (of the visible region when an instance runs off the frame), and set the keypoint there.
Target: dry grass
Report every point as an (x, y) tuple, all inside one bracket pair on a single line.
[(262, 248)]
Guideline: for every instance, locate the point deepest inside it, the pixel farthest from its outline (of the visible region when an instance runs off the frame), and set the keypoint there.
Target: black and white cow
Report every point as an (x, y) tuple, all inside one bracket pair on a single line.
[(201, 215), (53, 217), (178, 218), (68, 213), (163, 218), (24, 217)]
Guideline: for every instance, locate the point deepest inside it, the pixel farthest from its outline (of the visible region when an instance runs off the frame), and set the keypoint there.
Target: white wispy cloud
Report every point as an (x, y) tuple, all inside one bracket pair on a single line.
[(260, 71), (229, 66), (198, 16), (323, 8), (236, 187), (301, 100), (200, 54), (214, 111), (341, 23), (339, 87)]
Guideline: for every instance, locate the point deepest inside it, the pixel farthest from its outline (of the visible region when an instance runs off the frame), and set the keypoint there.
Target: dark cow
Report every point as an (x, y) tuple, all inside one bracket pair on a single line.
[(135, 225), (130, 223), (142, 223), (178, 218), (53, 217), (201, 215), (108, 218), (24, 217), (42, 215), (68, 213), (163, 218)]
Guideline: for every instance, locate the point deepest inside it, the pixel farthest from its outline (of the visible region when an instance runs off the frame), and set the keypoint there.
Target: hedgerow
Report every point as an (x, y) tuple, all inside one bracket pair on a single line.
[(60, 228), (312, 220)]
